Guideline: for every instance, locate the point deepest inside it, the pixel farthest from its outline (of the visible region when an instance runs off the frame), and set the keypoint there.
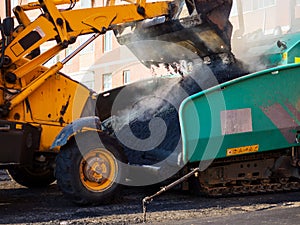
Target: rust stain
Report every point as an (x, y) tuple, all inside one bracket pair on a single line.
[(294, 110), (298, 105), (282, 120)]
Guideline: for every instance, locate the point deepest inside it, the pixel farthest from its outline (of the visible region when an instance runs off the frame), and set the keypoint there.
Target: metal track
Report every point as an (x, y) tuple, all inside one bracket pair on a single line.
[(250, 189), (252, 186)]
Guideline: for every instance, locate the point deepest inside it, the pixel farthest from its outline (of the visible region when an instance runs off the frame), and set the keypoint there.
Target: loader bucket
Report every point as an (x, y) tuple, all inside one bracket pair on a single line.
[(204, 30)]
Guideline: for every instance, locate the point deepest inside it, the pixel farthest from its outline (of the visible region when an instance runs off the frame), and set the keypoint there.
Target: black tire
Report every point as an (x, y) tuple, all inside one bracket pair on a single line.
[(72, 163), (32, 177)]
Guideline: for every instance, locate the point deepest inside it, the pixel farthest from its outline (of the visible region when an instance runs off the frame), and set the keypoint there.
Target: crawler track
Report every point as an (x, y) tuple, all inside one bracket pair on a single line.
[(251, 189), (229, 181)]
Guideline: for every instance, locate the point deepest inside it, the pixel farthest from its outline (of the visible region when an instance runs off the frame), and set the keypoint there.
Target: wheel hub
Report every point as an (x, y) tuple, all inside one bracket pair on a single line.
[(98, 170)]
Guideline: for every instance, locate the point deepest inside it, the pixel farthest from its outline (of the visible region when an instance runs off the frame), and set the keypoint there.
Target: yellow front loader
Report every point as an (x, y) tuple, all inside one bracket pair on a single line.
[(36, 102)]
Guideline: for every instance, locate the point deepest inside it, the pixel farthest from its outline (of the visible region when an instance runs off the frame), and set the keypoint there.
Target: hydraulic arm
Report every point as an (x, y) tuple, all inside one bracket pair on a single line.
[(21, 45)]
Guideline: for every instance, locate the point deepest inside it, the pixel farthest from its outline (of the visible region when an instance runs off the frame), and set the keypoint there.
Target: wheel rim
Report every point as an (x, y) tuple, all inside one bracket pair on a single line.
[(98, 170)]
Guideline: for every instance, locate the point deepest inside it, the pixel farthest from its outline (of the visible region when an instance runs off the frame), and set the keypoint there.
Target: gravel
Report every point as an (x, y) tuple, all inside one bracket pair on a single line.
[(20, 205), (4, 176)]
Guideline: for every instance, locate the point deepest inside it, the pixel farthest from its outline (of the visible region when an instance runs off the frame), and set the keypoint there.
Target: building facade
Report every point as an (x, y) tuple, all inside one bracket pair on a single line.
[(104, 64)]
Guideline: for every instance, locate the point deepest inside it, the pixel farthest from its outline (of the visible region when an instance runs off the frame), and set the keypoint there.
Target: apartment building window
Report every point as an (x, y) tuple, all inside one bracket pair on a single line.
[(14, 3), (86, 77), (269, 2), (68, 52), (51, 61), (247, 5), (251, 5), (107, 81), (266, 3), (126, 76), (86, 3), (90, 47), (108, 41)]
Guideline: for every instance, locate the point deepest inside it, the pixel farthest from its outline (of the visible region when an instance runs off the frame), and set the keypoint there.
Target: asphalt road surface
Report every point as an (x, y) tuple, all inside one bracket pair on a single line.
[(19, 205), (275, 216)]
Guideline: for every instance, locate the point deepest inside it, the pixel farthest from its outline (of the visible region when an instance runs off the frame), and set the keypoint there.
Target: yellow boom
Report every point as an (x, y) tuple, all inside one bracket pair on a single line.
[(64, 27)]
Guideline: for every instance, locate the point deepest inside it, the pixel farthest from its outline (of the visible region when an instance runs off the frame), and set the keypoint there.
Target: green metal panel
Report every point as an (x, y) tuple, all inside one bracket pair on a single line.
[(271, 54), (294, 53), (260, 109)]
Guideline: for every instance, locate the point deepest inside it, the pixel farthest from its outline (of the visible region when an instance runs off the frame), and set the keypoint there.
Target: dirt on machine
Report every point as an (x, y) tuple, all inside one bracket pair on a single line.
[(235, 128)]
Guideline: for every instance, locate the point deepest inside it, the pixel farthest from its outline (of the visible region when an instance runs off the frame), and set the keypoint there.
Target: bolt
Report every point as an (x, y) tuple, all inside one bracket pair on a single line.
[(59, 21), (6, 60), (65, 44), (10, 78), (141, 10), (103, 30), (72, 40), (18, 8)]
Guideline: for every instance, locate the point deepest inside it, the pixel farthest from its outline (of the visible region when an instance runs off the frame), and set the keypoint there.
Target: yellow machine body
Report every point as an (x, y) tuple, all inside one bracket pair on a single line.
[(42, 97)]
